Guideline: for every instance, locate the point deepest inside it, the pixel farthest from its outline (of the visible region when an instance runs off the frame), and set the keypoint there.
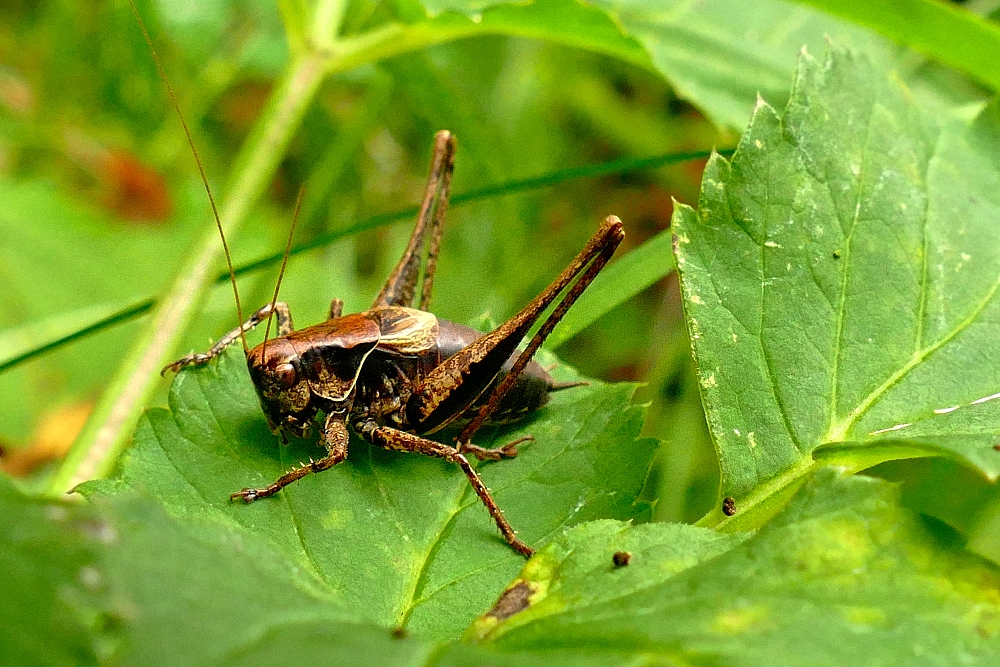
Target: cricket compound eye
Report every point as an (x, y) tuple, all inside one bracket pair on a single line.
[(284, 375)]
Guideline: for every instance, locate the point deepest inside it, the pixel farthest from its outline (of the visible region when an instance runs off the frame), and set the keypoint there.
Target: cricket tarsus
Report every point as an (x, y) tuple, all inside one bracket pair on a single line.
[(390, 438), (508, 451), (335, 438), (395, 373)]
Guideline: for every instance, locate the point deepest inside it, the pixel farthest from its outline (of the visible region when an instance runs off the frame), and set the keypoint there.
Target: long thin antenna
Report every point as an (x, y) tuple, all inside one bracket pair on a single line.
[(201, 169), (284, 260)]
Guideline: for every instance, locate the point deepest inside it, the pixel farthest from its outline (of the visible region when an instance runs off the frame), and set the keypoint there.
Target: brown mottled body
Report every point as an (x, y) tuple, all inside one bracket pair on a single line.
[(384, 386), (396, 373)]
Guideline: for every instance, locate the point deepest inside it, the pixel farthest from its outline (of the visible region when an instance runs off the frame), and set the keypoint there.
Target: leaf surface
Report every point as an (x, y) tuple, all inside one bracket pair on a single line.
[(843, 576), (124, 583), (400, 537), (950, 33), (718, 55), (840, 279)]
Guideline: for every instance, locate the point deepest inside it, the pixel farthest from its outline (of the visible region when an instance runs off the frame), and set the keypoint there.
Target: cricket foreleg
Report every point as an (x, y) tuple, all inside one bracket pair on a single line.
[(281, 313), (335, 437), (390, 438)]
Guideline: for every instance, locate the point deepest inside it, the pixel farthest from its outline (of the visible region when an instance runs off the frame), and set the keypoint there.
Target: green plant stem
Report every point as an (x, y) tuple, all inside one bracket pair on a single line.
[(110, 426), (327, 18)]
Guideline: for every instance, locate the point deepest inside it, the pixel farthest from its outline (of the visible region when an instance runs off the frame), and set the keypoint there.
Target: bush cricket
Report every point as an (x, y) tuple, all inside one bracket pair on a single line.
[(396, 373)]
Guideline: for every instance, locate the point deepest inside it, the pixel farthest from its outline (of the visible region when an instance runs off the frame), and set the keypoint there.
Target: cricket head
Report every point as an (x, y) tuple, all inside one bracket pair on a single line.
[(283, 389), (312, 369)]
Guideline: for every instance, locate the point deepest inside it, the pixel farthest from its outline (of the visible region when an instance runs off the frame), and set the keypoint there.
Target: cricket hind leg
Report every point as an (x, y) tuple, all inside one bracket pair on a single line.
[(507, 451), (335, 438), (587, 265), (400, 441), (400, 288), (282, 315), (456, 384)]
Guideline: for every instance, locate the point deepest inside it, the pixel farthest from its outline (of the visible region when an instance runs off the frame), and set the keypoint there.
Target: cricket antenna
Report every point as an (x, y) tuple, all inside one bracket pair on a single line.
[(201, 169), (284, 260)]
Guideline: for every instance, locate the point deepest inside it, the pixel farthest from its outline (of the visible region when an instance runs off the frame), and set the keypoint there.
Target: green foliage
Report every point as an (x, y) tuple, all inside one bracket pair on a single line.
[(787, 268), (401, 538), (941, 30), (842, 576), (837, 281)]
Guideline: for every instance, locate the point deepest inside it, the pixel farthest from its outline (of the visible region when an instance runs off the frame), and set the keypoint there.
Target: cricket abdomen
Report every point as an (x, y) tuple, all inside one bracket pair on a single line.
[(529, 393), (416, 342)]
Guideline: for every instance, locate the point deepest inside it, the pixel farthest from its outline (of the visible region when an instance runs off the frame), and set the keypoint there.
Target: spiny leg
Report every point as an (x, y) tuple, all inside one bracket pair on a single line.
[(390, 438), (507, 451), (335, 438), (400, 288), (437, 224), (594, 256), (455, 384), (282, 314)]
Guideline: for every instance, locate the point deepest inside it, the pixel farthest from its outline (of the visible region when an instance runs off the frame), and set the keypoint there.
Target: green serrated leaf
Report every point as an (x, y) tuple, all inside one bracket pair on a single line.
[(843, 576), (399, 537), (839, 282)]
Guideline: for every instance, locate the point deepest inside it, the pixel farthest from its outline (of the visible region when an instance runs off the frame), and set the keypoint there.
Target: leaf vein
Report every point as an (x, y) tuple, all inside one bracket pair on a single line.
[(845, 271), (411, 599)]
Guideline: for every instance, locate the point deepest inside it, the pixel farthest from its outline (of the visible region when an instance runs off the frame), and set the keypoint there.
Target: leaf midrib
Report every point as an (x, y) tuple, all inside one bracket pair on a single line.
[(838, 430), (838, 339), (410, 599)]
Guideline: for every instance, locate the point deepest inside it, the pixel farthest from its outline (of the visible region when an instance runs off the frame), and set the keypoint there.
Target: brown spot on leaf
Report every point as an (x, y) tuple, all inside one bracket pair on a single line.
[(511, 601), (621, 558), (729, 506)]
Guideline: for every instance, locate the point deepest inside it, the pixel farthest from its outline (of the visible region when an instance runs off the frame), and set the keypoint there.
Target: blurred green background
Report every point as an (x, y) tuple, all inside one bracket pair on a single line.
[(102, 201)]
